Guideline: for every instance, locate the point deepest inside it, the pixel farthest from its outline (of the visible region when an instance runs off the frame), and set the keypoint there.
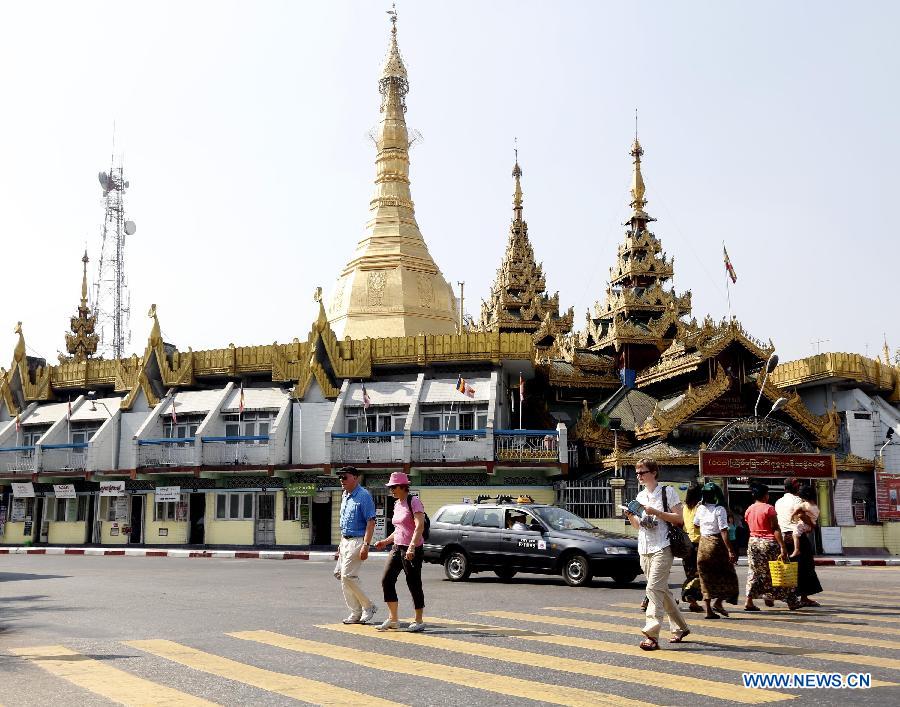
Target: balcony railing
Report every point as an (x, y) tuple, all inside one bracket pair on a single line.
[(64, 457), (18, 459), (246, 450), (588, 499), (167, 452), (450, 445), (366, 447), (526, 445)]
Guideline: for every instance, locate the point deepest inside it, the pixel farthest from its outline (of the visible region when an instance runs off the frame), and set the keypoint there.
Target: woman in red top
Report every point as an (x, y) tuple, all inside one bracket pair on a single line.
[(765, 544)]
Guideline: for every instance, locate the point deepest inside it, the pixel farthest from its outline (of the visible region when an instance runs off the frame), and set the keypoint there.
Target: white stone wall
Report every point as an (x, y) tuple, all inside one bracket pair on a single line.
[(310, 436)]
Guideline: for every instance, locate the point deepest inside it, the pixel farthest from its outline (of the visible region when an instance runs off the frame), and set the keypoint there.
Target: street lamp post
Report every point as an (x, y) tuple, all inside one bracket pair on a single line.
[(770, 366)]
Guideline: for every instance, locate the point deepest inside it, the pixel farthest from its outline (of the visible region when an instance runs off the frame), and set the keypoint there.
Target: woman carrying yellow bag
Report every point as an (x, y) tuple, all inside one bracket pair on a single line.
[(765, 546)]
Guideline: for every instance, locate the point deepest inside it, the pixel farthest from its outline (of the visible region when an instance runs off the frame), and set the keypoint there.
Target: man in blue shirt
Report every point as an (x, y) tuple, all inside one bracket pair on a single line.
[(357, 527)]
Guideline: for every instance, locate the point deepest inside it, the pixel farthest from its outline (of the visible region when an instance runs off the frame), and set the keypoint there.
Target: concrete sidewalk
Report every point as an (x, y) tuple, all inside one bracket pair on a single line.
[(328, 556)]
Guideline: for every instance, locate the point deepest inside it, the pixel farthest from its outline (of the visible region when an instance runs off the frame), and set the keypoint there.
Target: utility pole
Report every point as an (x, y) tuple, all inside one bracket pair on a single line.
[(818, 344)]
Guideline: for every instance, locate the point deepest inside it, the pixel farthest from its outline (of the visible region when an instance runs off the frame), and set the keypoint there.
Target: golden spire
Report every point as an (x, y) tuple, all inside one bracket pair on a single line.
[(886, 351), (391, 286), (638, 202), (81, 341), (517, 194)]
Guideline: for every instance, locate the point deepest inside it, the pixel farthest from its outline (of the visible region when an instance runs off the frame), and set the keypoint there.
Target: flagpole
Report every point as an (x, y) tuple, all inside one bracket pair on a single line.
[(521, 400), (727, 285)]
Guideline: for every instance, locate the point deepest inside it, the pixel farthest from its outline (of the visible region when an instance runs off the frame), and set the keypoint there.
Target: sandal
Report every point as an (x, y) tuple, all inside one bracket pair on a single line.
[(696, 608), (678, 636), (711, 616), (649, 644), (752, 607), (720, 610), (809, 602), (769, 602)]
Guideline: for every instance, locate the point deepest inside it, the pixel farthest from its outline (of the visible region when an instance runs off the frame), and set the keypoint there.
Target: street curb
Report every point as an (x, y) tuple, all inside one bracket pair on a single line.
[(836, 562), (185, 554)]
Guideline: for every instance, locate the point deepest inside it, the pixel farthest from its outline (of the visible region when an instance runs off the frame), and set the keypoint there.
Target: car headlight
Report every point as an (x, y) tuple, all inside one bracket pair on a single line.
[(617, 550)]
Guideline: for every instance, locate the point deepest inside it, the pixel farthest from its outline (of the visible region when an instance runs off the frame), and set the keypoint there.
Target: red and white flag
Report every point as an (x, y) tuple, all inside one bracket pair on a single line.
[(69, 411), (241, 400), (462, 385), (367, 401), (173, 413), (728, 266), (521, 388), (18, 423)]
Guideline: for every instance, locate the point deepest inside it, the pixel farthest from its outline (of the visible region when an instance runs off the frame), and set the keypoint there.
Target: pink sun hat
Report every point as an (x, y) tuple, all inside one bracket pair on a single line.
[(398, 478)]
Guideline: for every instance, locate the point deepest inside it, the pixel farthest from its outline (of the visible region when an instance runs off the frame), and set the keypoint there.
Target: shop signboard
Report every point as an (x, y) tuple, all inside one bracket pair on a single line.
[(843, 502), (112, 488), (764, 464), (300, 490), (831, 540), (380, 525), (25, 490), (64, 490), (887, 496), (167, 494), (121, 508)]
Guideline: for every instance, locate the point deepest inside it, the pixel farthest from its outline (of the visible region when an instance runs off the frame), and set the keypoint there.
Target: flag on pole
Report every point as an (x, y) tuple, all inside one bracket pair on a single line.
[(18, 423), (241, 400), (69, 411), (463, 387), (173, 413), (728, 266), (521, 388), (367, 401)]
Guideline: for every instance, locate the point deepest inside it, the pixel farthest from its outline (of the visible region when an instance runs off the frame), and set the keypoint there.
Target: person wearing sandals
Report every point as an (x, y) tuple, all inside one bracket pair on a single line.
[(655, 553), (715, 555), (788, 507), (766, 544), (406, 555), (690, 590)]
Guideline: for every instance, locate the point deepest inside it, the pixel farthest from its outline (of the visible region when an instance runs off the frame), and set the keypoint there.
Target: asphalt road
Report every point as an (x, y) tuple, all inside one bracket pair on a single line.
[(105, 630)]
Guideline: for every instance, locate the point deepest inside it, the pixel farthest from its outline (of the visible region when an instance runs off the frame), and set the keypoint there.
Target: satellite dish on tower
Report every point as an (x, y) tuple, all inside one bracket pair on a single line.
[(103, 178), (130, 228)]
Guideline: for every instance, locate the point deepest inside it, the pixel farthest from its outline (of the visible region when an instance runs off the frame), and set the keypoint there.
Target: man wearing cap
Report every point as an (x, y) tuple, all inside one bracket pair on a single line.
[(357, 527)]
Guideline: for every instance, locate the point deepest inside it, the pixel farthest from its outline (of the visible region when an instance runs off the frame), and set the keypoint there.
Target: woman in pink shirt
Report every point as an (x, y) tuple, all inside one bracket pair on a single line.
[(407, 553), (766, 543)]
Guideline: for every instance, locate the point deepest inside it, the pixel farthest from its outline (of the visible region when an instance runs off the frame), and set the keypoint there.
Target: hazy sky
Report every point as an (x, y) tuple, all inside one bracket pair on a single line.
[(769, 125)]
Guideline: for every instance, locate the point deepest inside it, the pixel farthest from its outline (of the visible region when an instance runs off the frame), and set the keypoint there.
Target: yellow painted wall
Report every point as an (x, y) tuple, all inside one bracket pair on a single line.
[(107, 539), (862, 536), (336, 517), (63, 533), (892, 537), (616, 525), (178, 529), (288, 532), (229, 532), (14, 534)]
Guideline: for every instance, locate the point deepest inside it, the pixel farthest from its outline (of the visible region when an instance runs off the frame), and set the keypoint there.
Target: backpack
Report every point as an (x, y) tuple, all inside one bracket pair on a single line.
[(427, 530)]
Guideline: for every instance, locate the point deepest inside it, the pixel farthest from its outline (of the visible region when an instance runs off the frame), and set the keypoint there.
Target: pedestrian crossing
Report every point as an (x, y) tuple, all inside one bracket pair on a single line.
[(562, 655)]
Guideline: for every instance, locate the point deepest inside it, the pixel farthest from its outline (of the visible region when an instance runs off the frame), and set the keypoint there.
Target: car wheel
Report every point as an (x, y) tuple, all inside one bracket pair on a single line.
[(576, 570), (624, 578), (505, 573), (456, 566)]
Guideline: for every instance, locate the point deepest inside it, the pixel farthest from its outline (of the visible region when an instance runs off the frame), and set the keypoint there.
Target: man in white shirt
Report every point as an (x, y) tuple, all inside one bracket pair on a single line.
[(787, 505)]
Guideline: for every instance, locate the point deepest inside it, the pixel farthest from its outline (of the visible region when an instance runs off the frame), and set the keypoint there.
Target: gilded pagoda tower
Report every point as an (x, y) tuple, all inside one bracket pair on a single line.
[(638, 320), (518, 300), (392, 286), (81, 341)]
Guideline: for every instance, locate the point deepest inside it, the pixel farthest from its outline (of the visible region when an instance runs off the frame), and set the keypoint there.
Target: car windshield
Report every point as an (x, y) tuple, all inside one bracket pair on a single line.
[(560, 519)]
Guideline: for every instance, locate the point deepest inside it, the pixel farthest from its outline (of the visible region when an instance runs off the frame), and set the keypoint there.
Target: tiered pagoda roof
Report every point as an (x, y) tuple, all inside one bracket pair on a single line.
[(518, 300), (81, 341), (639, 308)]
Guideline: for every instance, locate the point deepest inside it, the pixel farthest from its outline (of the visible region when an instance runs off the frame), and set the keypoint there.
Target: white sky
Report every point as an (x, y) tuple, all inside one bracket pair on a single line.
[(770, 125)]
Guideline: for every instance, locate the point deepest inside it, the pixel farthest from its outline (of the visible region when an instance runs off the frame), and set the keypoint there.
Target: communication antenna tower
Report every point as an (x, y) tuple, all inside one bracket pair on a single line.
[(112, 301)]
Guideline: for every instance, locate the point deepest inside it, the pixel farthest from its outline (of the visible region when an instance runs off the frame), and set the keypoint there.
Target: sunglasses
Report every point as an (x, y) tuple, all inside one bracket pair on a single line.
[(343, 477), (641, 473)]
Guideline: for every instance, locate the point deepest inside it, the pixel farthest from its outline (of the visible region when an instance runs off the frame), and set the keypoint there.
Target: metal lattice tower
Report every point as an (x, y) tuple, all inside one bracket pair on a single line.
[(112, 301)]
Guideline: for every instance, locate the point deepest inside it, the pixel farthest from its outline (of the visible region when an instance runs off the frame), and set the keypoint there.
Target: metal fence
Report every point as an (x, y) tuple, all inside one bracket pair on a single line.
[(526, 445), (64, 457), (366, 447), (588, 499), (236, 451), (167, 452), (451, 445), (18, 459)]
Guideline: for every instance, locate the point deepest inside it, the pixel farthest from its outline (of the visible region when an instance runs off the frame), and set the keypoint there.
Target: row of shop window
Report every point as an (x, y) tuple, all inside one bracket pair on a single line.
[(435, 418)]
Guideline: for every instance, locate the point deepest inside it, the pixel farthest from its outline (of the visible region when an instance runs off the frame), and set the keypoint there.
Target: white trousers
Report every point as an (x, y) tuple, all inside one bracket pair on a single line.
[(656, 566), (347, 568)]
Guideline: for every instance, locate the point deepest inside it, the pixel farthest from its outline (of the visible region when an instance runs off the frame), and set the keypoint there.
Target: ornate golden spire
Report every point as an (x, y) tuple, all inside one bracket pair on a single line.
[(638, 202), (81, 342), (392, 286), (519, 301)]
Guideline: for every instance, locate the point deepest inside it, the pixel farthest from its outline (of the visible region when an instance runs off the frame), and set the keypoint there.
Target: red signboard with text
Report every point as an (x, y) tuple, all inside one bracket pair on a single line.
[(887, 496), (802, 466)]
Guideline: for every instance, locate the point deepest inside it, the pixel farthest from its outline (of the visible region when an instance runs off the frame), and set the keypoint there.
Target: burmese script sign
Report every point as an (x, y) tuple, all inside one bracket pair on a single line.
[(887, 496), (802, 466)]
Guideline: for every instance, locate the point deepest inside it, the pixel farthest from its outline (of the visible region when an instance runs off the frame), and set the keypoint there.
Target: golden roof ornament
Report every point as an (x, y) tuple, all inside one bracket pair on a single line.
[(82, 340), (518, 300)]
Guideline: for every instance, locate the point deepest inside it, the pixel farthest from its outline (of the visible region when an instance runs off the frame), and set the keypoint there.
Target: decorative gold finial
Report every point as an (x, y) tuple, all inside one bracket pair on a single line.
[(317, 295), (517, 175), (81, 341), (19, 352), (886, 352), (638, 202), (393, 63)]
